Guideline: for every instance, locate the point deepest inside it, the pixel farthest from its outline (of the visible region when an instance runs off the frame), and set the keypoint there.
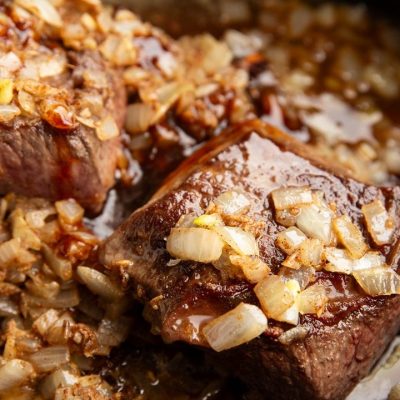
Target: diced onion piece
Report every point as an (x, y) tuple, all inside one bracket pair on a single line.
[(8, 308), (69, 211), (312, 300), (303, 275), (45, 321), (50, 358), (99, 283), (36, 218), (58, 379), (22, 231), (379, 224), (196, 244), (380, 281), (350, 236), (139, 117), (14, 373), (292, 261), (10, 61), (293, 335), (9, 251), (208, 221), (290, 316), (107, 129), (232, 202), (276, 295), (315, 220), (309, 253), (254, 270), (6, 90), (290, 239), (291, 197), (27, 102), (61, 266), (340, 261), (236, 327), (8, 112), (242, 242), (43, 9), (287, 217)]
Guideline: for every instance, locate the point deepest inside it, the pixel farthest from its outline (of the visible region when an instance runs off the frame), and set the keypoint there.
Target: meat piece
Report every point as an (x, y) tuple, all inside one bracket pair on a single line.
[(341, 346), (54, 145)]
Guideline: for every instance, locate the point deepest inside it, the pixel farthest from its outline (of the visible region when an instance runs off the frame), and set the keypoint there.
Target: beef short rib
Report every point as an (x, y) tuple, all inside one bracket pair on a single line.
[(341, 346)]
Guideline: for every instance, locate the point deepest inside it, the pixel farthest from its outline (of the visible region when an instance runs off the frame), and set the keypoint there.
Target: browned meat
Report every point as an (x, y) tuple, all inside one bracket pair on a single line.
[(341, 346), (60, 113)]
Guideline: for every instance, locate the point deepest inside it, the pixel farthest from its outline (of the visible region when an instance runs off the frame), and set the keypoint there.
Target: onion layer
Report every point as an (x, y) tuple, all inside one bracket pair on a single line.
[(291, 197), (243, 243)]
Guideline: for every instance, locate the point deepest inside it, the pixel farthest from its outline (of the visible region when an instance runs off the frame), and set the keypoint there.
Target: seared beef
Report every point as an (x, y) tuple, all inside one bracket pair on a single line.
[(51, 142), (340, 348)]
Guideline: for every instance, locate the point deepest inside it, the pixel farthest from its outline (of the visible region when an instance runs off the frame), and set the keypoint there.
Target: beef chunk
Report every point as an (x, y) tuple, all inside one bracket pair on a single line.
[(341, 346)]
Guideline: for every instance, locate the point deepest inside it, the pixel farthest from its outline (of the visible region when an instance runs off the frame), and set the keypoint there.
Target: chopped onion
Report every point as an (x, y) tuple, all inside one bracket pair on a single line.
[(340, 261), (313, 300), (10, 61), (139, 117), (60, 266), (380, 281), (9, 251), (350, 236), (43, 9), (232, 202), (379, 224), (14, 373), (243, 243), (276, 295), (22, 231), (196, 244), (293, 335), (309, 252), (8, 308), (99, 283), (70, 211), (58, 378), (208, 221), (236, 327), (287, 217), (315, 220), (107, 129), (45, 321), (292, 261), (50, 358), (113, 332), (254, 270), (303, 275), (36, 218), (8, 112), (290, 239), (290, 197), (6, 90)]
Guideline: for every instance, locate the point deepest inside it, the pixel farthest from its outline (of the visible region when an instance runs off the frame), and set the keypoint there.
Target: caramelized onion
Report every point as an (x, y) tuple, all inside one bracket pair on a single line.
[(236, 327), (196, 244), (254, 270), (312, 300), (291, 197), (380, 281), (379, 224), (290, 239), (69, 211), (139, 117), (13, 373)]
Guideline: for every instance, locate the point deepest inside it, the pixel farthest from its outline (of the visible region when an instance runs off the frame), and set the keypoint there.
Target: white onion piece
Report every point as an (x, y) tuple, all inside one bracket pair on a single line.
[(60, 266), (107, 129), (242, 242), (99, 283), (8, 112), (50, 358), (309, 252), (340, 261), (196, 244), (14, 373), (236, 327), (290, 316), (294, 334), (303, 275), (254, 270), (291, 197), (276, 295), (208, 221), (43, 9), (350, 236), (315, 220), (22, 231), (312, 300), (379, 224), (232, 202), (139, 117), (69, 211), (45, 321), (290, 239), (9, 251), (380, 281), (59, 378)]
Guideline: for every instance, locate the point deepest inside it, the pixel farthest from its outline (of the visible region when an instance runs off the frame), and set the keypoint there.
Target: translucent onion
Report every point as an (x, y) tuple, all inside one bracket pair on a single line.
[(291, 197), (22, 231), (287, 217), (10, 61), (8, 308), (58, 378), (254, 270), (208, 221), (313, 300), (242, 242), (6, 90), (107, 129), (44, 9), (315, 220), (309, 252), (9, 251), (276, 295), (196, 244), (69, 211), (14, 373), (293, 335), (340, 261), (232, 202), (36, 218), (50, 358), (380, 281), (290, 239), (350, 236), (8, 112), (236, 327), (60, 266), (139, 117), (290, 316), (45, 321), (303, 275), (379, 224)]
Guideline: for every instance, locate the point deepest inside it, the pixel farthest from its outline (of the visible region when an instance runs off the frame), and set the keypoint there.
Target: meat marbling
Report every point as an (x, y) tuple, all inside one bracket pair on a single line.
[(340, 348)]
